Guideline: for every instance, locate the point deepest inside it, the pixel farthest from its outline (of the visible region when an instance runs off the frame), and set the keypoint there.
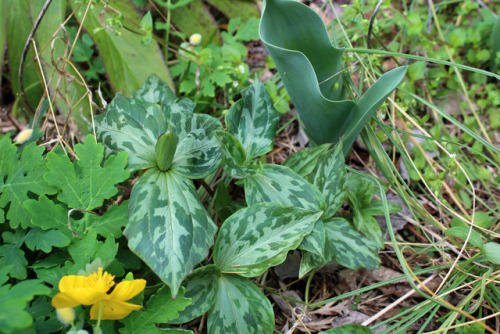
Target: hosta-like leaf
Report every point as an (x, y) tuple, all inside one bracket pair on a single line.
[(240, 307), (253, 120), (235, 159), (133, 126), (201, 287), (330, 177), (258, 237), (351, 248), (279, 184), (168, 226), (304, 161)]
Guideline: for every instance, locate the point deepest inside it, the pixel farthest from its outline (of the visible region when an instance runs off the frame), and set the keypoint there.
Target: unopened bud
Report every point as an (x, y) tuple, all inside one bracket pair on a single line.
[(195, 39), (24, 136), (165, 150)]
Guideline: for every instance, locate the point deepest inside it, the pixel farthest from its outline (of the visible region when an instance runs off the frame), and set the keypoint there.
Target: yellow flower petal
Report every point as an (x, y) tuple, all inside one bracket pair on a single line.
[(83, 296), (127, 289), (72, 282), (113, 310)]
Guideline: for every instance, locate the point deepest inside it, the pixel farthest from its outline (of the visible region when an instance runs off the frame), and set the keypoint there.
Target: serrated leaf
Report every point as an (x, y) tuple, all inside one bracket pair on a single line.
[(258, 237), (304, 161), (253, 120), (12, 255), (281, 185), (154, 90), (133, 126), (234, 162), (18, 177), (13, 303), (349, 329), (89, 249), (84, 184), (201, 287), (161, 308), (240, 307), (168, 226), (38, 239), (330, 177), (350, 248), (111, 222)]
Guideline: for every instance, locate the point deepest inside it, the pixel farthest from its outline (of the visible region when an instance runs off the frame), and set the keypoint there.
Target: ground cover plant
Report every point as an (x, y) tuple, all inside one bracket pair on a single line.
[(154, 179)]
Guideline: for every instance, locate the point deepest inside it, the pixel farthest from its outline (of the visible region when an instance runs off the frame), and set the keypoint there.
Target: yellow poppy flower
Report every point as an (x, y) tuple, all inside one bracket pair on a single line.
[(93, 290)]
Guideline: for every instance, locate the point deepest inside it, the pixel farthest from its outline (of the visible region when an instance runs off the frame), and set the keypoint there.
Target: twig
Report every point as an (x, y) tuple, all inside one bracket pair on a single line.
[(25, 52)]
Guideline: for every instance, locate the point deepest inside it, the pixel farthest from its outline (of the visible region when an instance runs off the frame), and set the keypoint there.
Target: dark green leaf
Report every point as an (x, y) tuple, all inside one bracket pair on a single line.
[(462, 232), (38, 239), (111, 222), (11, 254)]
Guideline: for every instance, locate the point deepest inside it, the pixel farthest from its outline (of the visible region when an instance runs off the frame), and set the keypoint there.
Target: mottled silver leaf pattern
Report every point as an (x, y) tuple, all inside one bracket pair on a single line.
[(258, 237), (304, 161), (154, 90), (168, 226), (235, 159), (240, 308)]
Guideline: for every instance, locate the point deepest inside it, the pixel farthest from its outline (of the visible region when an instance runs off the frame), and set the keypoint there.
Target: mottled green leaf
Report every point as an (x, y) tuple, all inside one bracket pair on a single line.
[(304, 161), (316, 249), (161, 308), (18, 177), (310, 261), (350, 248), (279, 184), (349, 329), (240, 307), (234, 162), (168, 226), (258, 237), (127, 62), (369, 226), (84, 184), (201, 287), (154, 90), (330, 177), (38, 239), (253, 120), (133, 126), (315, 241)]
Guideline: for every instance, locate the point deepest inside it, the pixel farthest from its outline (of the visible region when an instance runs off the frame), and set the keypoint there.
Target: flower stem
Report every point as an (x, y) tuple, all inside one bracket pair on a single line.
[(97, 327)]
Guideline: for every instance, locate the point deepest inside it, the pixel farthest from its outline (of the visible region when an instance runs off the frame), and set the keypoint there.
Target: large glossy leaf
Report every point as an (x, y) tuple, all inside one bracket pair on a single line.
[(351, 248), (310, 67), (168, 226), (258, 237), (133, 126), (201, 287), (240, 307), (253, 120), (279, 184), (330, 177), (304, 161), (128, 63)]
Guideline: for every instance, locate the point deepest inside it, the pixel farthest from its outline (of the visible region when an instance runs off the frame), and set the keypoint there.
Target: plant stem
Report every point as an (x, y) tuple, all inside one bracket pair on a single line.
[(97, 327)]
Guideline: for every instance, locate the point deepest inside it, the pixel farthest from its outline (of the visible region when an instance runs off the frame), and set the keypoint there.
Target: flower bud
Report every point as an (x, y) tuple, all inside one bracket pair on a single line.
[(24, 136), (165, 150), (195, 39), (66, 315)]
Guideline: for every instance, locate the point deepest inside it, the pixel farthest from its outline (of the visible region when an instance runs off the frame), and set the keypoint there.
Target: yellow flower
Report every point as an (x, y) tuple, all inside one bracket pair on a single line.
[(94, 290)]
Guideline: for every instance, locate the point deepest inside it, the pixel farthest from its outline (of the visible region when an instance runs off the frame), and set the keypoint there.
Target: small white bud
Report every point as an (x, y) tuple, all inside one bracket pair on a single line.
[(195, 39)]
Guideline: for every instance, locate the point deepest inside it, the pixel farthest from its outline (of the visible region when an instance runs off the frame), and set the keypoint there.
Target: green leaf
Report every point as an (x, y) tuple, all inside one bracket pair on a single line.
[(350, 248), (281, 185), (491, 251), (147, 26), (309, 66), (201, 287), (253, 120), (311, 261), (349, 329), (168, 226), (462, 232), (128, 63), (12, 255), (240, 307), (316, 249), (133, 126), (154, 90), (495, 44), (18, 177), (14, 301), (330, 177), (361, 190), (237, 9), (111, 222), (258, 237), (315, 241), (161, 308), (84, 184), (234, 159), (38, 239), (304, 161), (369, 226), (85, 251)]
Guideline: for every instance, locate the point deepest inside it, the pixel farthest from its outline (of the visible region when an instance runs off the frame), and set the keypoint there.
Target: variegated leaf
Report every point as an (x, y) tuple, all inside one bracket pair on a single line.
[(168, 226), (316, 249), (315, 241), (240, 307), (253, 120), (235, 159), (201, 287), (330, 177), (133, 126), (280, 184), (258, 237), (310, 261), (349, 329), (155, 90), (351, 248), (304, 161), (198, 153)]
